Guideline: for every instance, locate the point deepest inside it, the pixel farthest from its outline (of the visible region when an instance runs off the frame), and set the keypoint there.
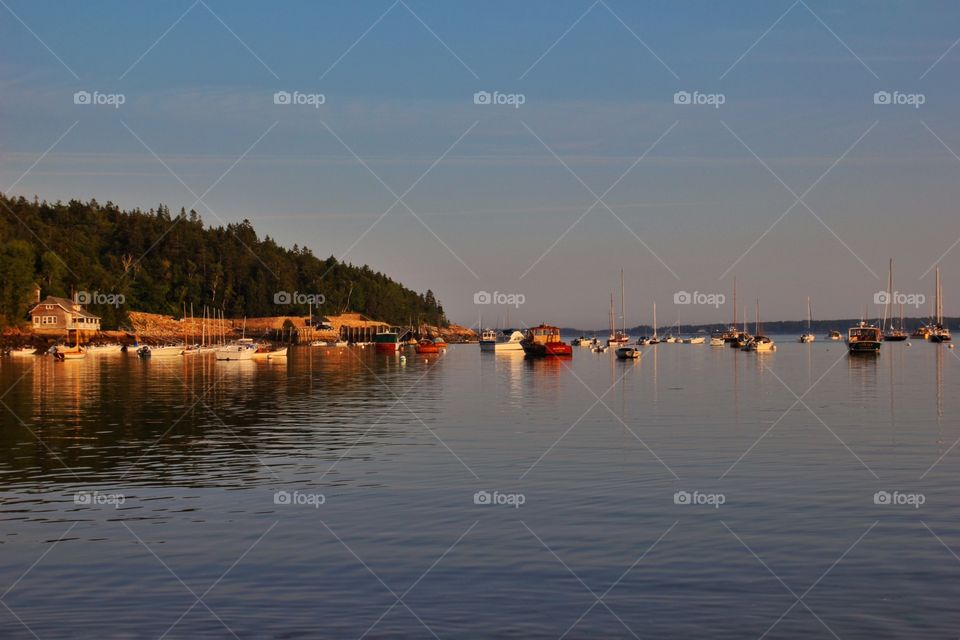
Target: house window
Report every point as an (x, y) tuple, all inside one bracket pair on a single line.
[(48, 306), (36, 319), (49, 319)]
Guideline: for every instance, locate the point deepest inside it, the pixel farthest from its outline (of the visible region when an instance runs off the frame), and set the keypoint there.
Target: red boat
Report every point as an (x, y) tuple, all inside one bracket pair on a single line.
[(387, 341), (440, 342), (427, 346), (544, 340)]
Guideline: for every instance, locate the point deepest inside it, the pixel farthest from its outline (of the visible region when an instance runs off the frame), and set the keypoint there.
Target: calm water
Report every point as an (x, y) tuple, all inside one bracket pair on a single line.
[(189, 534)]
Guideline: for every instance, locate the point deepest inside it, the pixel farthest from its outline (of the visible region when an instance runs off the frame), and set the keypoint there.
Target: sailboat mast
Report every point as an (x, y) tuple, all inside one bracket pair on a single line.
[(734, 302), (809, 314), (939, 303), (654, 319), (886, 307), (612, 324), (757, 318), (623, 309)]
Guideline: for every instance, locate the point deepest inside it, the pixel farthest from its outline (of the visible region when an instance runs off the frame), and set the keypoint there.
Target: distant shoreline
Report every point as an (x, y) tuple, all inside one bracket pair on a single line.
[(779, 327)]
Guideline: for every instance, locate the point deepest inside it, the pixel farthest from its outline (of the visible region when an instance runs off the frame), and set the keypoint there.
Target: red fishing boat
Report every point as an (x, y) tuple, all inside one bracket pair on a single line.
[(427, 346), (387, 341), (544, 340)]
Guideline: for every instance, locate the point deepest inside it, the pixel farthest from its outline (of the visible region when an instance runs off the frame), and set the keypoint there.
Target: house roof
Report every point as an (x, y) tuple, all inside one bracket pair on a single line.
[(67, 305)]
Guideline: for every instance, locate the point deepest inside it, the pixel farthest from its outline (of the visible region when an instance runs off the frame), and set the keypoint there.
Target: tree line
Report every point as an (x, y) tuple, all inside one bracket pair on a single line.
[(157, 262)]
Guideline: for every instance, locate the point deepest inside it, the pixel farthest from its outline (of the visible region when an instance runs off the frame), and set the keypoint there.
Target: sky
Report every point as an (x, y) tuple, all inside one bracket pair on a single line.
[(683, 142)]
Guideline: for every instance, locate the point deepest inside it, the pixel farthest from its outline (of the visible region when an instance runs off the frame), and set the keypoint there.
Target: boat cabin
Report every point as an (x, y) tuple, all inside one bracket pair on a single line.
[(864, 333), (544, 334)]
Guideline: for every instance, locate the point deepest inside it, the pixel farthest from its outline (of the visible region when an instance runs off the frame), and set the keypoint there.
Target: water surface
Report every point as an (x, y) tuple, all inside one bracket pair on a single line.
[(203, 455)]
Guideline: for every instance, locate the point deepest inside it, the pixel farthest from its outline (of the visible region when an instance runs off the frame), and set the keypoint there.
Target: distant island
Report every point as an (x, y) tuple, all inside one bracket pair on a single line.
[(156, 262)]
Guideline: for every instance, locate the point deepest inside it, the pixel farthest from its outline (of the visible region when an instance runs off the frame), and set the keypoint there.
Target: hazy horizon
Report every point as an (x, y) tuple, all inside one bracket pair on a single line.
[(600, 168)]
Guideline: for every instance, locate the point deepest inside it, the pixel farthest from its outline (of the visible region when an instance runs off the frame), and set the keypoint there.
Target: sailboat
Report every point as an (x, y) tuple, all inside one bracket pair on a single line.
[(938, 332), (730, 335), (742, 338), (618, 338), (890, 334), (76, 352), (807, 336), (654, 339), (759, 342)]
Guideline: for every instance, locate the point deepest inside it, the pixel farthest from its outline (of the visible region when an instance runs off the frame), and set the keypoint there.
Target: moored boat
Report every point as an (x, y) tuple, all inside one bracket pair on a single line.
[(864, 338), (491, 340), (834, 335), (618, 338), (731, 335), (268, 353), (242, 349), (718, 339), (101, 349), (76, 352), (628, 353), (169, 351), (938, 332), (544, 340), (759, 343), (807, 336), (427, 346), (387, 341), (23, 351)]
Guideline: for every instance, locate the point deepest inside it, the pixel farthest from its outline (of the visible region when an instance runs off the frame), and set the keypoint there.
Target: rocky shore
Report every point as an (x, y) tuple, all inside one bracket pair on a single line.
[(153, 329)]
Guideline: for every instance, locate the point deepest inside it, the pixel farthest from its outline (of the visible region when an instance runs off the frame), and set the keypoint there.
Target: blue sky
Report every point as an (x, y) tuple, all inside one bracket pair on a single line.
[(504, 186)]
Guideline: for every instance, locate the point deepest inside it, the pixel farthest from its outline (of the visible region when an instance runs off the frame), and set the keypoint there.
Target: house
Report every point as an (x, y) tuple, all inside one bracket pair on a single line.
[(54, 315)]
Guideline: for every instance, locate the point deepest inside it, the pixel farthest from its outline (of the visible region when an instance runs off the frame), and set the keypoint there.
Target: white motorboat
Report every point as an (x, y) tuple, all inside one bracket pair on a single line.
[(697, 340), (242, 349), (717, 340), (101, 349), (318, 343), (168, 351), (492, 340), (23, 351)]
